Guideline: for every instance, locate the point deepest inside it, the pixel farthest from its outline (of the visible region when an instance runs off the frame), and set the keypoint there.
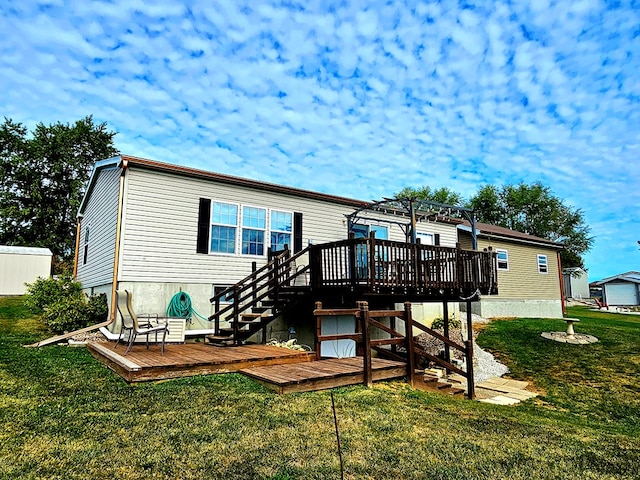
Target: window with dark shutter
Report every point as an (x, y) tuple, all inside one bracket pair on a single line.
[(297, 232), (204, 223)]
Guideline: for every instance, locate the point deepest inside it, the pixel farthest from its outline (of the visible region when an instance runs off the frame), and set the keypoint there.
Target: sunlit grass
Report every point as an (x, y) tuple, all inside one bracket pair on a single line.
[(64, 415)]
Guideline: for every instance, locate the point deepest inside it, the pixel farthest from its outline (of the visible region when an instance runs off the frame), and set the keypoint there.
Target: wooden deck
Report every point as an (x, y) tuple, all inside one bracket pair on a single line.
[(189, 359), (322, 374)]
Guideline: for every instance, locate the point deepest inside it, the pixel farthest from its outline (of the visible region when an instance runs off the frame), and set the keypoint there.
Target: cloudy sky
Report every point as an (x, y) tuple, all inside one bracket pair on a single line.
[(358, 99)]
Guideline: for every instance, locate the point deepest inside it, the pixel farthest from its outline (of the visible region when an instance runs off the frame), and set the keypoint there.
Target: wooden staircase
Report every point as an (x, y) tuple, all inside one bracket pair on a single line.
[(258, 299)]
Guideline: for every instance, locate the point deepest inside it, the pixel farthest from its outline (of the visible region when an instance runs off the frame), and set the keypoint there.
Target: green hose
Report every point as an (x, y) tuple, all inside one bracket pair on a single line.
[(181, 306)]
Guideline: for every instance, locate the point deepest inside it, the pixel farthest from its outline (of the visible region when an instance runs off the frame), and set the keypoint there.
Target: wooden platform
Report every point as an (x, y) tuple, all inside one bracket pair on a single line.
[(190, 359), (322, 374)]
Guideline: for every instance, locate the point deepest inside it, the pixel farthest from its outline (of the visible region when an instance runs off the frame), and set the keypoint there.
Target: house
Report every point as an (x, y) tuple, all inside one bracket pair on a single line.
[(576, 283), (622, 290), (157, 229), (20, 265), (529, 278)]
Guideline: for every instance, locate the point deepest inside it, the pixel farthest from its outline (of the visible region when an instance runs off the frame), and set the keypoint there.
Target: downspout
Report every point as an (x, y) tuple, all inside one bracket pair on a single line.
[(116, 256), (75, 260), (111, 319), (564, 307)]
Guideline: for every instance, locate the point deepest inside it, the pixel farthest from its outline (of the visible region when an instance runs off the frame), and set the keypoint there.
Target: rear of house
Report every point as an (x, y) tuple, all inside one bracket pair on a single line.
[(529, 277), (157, 229)]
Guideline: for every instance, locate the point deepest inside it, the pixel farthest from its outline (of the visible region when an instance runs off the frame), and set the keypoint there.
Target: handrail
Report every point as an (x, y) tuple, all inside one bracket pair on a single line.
[(365, 320), (385, 266), (274, 274)]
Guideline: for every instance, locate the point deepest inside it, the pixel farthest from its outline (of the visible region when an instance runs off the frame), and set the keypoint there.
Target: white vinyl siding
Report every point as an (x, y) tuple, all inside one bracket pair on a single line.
[(100, 218), (161, 220)]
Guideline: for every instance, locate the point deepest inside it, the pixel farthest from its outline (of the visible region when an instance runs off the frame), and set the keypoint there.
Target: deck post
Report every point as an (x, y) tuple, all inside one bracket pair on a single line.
[(471, 394), (353, 267), (318, 331), (371, 245), (445, 315), (366, 336), (236, 312), (408, 335)]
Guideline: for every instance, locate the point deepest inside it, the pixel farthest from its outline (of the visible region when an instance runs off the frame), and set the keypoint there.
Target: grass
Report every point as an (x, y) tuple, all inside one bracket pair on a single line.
[(63, 415)]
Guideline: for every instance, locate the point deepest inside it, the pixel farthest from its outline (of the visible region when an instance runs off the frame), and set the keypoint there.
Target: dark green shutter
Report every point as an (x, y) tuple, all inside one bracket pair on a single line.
[(436, 239), (297, 232), (204, 222)]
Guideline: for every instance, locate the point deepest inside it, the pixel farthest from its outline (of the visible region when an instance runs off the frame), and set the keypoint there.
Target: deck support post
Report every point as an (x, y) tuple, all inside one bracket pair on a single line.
[(471, 394), (411, 359), (318, 331), (366, 336), (236, 313), (445, 315)]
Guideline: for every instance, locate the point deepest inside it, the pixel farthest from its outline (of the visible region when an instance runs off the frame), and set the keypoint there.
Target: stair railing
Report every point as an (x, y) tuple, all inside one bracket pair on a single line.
[(255, 287)]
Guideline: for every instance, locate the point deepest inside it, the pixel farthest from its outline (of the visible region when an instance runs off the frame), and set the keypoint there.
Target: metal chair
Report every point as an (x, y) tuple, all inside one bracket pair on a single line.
[(133, 326)]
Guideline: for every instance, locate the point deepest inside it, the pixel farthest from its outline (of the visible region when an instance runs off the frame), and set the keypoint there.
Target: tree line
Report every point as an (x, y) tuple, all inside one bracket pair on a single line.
[(527, 208)]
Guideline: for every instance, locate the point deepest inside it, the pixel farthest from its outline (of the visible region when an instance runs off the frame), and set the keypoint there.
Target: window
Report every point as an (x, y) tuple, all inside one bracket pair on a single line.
[(86, 245), (503, 259), (224, 221), (542, 264), (382, 233), (254, 222), (218, 289), (281, 228), (425, 238)]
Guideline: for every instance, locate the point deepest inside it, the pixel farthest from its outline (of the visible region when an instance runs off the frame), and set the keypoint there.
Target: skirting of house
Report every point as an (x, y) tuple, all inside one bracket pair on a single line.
[(515, 307)]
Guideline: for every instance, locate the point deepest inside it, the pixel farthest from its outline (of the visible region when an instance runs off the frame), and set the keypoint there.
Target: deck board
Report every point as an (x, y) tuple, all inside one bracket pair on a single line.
[(321, 374), (189, 359)]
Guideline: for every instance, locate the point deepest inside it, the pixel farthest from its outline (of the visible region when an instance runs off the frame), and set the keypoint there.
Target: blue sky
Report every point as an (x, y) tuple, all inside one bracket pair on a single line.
[(358, 99)]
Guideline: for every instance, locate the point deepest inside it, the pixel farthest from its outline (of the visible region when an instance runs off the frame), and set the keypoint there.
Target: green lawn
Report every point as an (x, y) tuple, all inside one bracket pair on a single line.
[(63, 415)]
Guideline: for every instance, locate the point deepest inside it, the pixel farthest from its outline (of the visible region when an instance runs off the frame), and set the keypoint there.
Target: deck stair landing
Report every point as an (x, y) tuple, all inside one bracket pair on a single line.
[(323, 374)]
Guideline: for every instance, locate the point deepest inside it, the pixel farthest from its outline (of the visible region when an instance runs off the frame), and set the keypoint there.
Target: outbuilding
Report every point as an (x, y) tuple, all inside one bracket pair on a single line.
[(623, 289), (20, 265)]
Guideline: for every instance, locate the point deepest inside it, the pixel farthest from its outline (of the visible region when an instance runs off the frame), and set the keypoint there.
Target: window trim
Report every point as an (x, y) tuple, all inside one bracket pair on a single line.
[(506, 252), (546, 264), (256, 229), (270, 212), (236, 226)]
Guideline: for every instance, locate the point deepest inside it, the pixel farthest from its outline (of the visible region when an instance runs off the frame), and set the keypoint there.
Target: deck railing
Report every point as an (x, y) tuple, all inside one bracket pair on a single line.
[(384, 266)]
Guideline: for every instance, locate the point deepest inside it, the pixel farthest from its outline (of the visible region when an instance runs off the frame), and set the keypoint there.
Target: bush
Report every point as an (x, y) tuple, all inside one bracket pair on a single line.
[(438, 323), (45, 292), (63, 306)]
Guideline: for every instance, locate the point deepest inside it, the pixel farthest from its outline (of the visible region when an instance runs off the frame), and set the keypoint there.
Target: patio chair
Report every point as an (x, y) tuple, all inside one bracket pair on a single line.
[(134, 327)]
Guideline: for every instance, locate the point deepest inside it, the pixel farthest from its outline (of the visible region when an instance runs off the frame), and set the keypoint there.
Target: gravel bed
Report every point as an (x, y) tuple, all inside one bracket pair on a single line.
[(485, 366)]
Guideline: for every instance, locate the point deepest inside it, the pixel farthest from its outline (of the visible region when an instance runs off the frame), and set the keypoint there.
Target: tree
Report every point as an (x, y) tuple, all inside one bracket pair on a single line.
[(533, 209), (42, 181), (439, 195)]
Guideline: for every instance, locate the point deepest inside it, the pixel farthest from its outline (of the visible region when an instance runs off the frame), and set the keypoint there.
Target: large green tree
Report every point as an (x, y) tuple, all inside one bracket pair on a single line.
[(439, 195), (533, 209), (42, 179)]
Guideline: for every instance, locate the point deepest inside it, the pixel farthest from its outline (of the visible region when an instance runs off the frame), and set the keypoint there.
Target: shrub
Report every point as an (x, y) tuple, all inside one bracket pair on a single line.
[(45, 292), (438, 323), (75, 312), (63, 306)]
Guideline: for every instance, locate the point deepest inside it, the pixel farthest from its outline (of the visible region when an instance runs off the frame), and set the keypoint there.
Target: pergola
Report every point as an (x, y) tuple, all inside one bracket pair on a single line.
[(415, 210)]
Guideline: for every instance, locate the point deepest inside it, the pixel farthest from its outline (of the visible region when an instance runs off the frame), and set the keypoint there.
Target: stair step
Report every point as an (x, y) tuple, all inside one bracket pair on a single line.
[(250, 316)]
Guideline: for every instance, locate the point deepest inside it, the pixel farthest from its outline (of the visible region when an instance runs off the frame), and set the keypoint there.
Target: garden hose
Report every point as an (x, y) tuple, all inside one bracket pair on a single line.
[(181, 306)]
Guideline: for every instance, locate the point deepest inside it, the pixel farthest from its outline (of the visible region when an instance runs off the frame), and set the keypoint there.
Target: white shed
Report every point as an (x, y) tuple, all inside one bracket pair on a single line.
[(576, 283), (623, 289), (20, 265)]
